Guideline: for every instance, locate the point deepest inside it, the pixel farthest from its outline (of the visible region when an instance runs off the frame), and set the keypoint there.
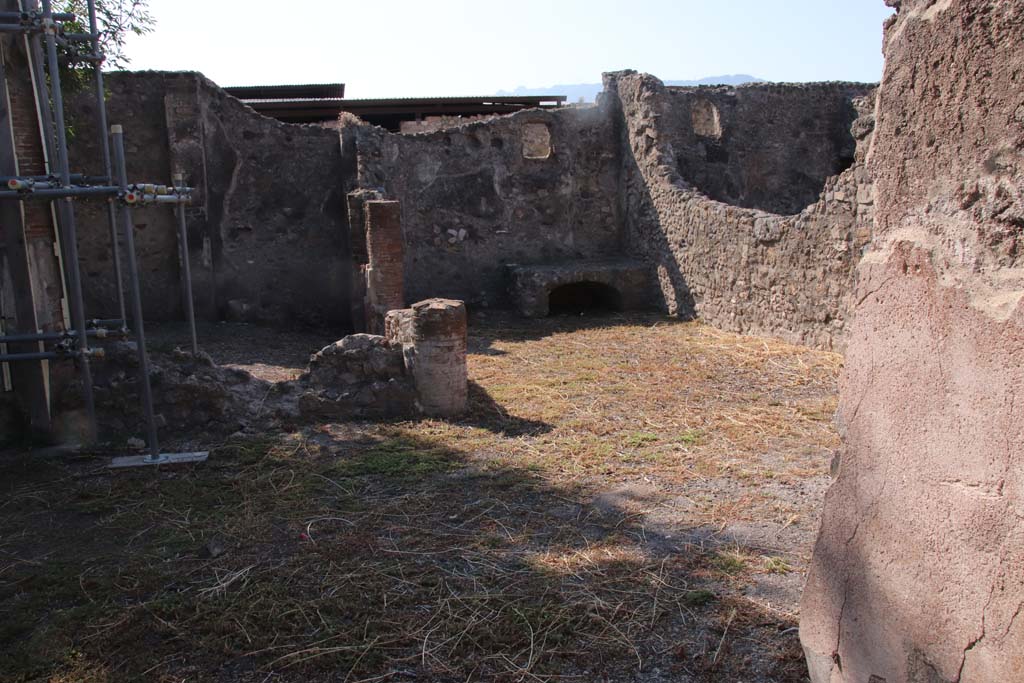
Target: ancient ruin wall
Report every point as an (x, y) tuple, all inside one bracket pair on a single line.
[(767, 146), (533, 187), (270, 197), (918, 571), (737, 268)]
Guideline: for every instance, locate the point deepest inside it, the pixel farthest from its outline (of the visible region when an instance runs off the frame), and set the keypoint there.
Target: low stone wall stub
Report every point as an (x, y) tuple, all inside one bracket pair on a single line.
[(361, 375)]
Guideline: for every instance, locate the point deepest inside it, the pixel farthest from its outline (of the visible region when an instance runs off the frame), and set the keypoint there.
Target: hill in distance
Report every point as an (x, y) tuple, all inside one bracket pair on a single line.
[(588, 91)]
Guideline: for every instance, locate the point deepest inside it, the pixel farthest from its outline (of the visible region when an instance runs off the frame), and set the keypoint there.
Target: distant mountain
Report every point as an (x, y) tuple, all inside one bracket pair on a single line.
[(588, 91)]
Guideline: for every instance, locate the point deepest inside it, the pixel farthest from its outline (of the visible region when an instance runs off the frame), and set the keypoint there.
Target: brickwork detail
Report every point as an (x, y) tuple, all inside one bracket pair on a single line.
[(385, 279)]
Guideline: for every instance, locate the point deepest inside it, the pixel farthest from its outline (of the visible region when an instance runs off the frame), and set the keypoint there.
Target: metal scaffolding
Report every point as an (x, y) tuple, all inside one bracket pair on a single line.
[(44, 31)]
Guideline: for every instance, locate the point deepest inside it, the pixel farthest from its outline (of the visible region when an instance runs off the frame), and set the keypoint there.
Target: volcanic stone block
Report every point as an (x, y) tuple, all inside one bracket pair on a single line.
[(361, 375)]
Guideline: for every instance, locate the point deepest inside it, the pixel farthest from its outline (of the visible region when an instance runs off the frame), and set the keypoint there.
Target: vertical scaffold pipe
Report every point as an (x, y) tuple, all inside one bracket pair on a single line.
[(186, 269), (127, 228), (35, 55), (101, 123), (66, 213)]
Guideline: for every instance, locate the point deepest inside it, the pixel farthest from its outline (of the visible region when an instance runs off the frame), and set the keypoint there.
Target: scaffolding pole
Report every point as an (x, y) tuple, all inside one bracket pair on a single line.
[(67, 215), (61, 187), (190, 312), (101, 122), (117, 138)]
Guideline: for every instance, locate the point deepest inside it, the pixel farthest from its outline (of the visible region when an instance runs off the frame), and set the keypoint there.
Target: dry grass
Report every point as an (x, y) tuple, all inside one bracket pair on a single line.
[(575, 526)]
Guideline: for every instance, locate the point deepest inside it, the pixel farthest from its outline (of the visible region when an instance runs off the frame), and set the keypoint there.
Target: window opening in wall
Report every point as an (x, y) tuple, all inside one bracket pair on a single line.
[(707, 122), (536, 141), (577, 298)]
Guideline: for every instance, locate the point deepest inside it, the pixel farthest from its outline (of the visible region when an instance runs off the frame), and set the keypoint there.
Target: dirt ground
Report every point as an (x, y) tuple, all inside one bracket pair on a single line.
[(630, 498)]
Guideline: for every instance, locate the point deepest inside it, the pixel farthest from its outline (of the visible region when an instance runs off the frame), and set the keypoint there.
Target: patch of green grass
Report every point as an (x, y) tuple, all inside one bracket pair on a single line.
[(641, 439), (691, 437), (698, 598), (729, 562), (396, 458), (776, 565)]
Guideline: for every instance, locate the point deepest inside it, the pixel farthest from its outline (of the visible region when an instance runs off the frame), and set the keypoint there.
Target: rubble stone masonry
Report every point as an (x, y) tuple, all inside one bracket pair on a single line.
[(739, 268)]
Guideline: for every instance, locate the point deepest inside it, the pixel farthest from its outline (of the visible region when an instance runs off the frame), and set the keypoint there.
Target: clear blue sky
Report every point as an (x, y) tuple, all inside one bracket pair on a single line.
[(463, 47)]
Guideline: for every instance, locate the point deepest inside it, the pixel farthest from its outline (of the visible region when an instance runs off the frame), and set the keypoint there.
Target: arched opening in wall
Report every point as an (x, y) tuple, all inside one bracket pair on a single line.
[(577, 298)]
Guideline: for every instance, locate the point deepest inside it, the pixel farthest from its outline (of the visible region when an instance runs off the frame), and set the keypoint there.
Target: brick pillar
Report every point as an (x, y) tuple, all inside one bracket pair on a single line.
[(385, 280), (433, 338)]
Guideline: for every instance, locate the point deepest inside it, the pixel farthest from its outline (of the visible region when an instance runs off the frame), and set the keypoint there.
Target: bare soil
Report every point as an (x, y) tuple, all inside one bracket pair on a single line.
[(630, 498)]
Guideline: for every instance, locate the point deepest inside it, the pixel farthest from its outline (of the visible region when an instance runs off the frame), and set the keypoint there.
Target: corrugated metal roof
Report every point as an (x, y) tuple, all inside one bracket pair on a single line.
[(480, 99), (301, 91)]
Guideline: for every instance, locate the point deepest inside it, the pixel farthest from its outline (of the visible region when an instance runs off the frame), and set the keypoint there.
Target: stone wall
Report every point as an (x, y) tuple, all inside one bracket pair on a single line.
[(768, 146), (620, 285), (918, 571), (737, 268), (268, 230), (631, 177), (361, 375), (270, 235), (482, 195)]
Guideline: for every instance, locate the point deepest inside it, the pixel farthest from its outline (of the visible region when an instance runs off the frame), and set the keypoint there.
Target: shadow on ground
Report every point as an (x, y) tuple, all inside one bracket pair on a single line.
[(341, 555), (486, 328), (606, 511)]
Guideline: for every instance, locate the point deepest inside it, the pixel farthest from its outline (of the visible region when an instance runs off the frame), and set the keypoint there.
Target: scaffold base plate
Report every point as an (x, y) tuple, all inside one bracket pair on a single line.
[(162, 459)]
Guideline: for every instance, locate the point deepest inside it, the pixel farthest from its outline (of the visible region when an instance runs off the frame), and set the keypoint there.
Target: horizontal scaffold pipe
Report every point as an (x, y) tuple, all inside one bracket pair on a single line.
[(34, 16), (76, 178), (101, 333), (60, 193), (44, 190), (41, 355)]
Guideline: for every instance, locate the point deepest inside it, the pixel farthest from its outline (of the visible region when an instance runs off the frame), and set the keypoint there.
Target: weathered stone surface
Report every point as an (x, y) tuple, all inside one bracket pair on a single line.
[(739, 268), (361, 375), (475, 198), (270, 196), (419, 367), (532, 286), (433, 338), (270, 231), (356, 204), (766, 146), (918, 571)]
